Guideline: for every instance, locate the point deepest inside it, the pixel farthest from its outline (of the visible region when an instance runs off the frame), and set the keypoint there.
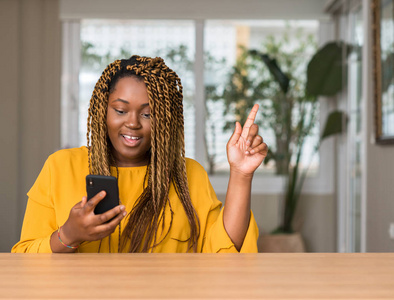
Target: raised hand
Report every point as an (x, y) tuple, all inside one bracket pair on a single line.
[(246, 149)]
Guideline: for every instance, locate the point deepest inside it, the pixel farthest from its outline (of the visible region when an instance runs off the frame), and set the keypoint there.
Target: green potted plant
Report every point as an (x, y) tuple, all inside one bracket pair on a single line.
[(288, 98)]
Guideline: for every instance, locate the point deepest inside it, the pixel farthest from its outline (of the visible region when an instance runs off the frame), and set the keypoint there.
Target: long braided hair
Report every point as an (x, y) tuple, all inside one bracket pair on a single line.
[(167, 156)]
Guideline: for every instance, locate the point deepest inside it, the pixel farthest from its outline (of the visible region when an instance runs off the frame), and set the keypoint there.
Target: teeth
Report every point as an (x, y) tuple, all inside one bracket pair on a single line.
[(131, 137)]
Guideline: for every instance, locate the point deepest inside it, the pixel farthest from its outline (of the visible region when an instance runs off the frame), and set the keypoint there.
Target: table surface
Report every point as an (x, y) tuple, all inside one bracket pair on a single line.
[(197, 276)]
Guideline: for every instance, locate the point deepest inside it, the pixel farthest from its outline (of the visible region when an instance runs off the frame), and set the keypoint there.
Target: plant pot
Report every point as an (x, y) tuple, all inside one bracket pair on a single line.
[(281, 243)]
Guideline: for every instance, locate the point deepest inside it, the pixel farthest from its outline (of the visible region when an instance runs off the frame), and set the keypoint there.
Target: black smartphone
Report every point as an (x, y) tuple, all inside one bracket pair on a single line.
[(98, 183)]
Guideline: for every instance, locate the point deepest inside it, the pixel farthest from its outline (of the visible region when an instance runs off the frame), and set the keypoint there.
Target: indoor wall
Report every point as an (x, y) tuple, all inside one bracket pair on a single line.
[(30, 60)]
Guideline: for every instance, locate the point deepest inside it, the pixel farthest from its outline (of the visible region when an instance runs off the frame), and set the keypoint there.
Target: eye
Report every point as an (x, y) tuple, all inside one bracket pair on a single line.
[(119, 112), (146, 116)]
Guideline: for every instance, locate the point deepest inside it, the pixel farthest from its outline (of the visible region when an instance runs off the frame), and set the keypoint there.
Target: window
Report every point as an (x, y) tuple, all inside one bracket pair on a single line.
[(185, 45), (227, 42), (103, 41)]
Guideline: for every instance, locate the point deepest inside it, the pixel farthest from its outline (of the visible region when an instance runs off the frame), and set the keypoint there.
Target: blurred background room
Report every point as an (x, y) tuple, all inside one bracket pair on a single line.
[(321, 70)]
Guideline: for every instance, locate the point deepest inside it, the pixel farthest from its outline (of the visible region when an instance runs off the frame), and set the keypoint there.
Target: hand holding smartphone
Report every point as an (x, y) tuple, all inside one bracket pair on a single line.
[(97, 183)]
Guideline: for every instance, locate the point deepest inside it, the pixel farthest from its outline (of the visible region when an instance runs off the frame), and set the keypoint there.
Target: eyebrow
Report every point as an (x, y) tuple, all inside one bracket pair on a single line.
[(121, 100), (127, 102)]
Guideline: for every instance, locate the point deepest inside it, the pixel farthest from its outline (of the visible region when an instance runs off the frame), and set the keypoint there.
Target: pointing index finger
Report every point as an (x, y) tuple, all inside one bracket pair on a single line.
[(249, 121)]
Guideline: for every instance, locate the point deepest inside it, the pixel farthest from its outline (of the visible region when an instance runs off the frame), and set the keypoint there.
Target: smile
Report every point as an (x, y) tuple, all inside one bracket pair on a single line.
[(131, 140), (130, 137)]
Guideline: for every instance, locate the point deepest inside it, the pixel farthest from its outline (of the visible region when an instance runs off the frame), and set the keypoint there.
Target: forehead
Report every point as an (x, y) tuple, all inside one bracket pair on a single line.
[(127, 80), (129, 88)]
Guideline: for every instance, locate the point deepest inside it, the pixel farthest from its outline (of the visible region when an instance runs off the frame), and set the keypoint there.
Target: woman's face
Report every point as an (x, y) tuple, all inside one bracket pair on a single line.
[(128, 122)]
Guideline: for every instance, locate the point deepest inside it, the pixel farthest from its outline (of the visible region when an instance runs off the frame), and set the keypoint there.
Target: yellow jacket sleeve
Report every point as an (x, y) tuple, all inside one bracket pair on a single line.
[(40, 220), (218, 241), (215, 237), (35, 223)]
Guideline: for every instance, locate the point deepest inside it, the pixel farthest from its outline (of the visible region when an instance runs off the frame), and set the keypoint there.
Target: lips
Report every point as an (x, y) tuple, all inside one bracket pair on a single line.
[(130, 140)]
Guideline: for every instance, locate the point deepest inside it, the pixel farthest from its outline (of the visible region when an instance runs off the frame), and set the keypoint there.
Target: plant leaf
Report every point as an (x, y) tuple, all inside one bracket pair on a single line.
[(387, 72), (334, 124), (325, 70), (274, 69)]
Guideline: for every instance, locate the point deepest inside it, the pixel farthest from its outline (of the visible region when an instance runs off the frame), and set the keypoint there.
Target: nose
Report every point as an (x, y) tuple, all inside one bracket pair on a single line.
[(133, 121)]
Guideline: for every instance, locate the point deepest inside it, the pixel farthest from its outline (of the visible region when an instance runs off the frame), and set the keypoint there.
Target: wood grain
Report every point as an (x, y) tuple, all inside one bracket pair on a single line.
[(197, 276)]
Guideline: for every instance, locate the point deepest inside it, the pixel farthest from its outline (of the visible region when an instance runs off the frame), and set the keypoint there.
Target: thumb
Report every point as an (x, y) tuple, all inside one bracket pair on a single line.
[(237, 133)]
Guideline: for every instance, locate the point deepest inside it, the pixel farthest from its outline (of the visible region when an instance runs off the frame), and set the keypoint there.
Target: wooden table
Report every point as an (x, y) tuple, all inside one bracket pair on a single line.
[(197, 276)]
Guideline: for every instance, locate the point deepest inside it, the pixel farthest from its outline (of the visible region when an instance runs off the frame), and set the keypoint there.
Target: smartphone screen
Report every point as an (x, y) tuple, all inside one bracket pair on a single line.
[(97, 183)]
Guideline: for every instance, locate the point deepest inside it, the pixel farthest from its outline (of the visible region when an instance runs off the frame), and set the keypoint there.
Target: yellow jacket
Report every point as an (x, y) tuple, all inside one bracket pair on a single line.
[(61, 184)]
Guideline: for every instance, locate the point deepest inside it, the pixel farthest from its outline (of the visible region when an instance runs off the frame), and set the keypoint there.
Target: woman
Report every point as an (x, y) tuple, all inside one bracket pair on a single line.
[(136, 133)]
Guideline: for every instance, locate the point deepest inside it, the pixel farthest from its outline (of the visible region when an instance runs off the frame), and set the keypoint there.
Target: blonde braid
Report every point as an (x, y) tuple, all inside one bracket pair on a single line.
[(97, 137)]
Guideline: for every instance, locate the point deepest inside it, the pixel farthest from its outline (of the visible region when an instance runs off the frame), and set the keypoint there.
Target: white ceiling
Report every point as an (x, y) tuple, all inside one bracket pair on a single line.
[(193, 9)]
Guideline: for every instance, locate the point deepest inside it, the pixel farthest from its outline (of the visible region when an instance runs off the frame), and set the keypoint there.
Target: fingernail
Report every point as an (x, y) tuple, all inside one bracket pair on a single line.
[(246, 152), (102, 193), (248, 142), (124, 214), (122, 207), (252, 151)]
